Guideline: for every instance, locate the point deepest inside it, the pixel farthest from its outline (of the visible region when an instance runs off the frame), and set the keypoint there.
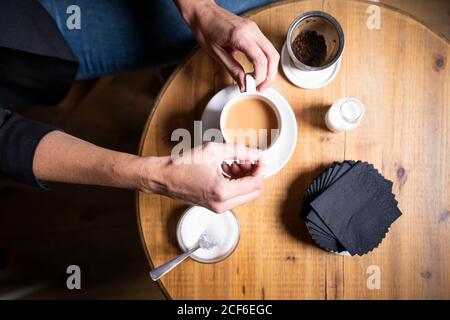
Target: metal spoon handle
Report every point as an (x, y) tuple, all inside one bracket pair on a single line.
[(160, 271)]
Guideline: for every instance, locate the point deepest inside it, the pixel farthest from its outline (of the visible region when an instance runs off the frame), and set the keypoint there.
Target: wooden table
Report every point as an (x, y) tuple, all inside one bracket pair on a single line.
[(401, 74)]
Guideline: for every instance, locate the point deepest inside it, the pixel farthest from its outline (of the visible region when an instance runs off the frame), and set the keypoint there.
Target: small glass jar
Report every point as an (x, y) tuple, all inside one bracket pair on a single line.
[(344, 115), (325, 25)]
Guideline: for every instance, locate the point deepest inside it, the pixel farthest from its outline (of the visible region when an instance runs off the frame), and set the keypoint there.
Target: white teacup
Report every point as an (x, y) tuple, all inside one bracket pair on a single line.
[(251, 93)]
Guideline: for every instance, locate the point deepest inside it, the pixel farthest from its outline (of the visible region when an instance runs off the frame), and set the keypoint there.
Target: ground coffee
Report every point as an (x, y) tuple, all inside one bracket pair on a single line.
[(310, 48)]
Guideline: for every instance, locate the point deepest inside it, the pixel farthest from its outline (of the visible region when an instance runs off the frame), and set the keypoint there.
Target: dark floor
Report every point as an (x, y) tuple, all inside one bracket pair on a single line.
[(42, 233)]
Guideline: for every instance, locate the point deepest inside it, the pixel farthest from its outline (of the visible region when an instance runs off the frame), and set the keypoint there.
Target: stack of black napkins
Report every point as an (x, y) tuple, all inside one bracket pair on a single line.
[(349, 207)]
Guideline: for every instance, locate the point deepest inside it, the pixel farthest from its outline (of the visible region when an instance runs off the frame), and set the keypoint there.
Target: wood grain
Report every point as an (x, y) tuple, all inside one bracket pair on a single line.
[(401, 74)]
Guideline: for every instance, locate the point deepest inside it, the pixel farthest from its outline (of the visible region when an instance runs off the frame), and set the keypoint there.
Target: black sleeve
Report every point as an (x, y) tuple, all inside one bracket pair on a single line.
[(19, 138)]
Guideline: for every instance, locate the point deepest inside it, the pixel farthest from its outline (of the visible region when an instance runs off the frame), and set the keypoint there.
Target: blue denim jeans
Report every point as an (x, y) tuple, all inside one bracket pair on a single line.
[(119, 35)]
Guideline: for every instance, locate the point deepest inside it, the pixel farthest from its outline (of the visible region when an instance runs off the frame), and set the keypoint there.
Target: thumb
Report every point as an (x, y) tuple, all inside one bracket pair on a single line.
[(246, 184)]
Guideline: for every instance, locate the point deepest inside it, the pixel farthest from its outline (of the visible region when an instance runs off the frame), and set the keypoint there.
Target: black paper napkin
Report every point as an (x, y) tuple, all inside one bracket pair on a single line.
[(349, 207)]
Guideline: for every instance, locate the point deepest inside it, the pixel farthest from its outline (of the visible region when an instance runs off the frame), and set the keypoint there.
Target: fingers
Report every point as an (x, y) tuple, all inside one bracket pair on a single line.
[(245, 166), (250, 182), (273, 58), (237, 151), (215, 153), (237, 187), (233, 170), (230, 193), (234, 68), (259, 50), (258, 59), (240, 170)]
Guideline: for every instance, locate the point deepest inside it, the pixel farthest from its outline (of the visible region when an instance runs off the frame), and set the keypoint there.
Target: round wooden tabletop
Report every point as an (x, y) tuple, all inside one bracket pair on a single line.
[(400, 72)]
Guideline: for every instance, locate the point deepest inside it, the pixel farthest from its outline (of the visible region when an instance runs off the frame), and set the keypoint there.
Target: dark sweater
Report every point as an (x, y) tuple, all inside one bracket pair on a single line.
[(36, 67)]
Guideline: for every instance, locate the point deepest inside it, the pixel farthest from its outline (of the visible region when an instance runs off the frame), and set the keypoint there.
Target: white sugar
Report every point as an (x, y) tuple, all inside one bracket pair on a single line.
[(220, 230)]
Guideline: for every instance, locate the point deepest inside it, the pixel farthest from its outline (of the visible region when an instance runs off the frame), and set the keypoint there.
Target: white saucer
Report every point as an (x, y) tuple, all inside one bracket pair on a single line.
[(307, 79), (279, 154)]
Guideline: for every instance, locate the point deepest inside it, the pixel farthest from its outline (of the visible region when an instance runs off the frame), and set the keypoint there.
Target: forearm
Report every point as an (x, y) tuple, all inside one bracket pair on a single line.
[(64, 158)]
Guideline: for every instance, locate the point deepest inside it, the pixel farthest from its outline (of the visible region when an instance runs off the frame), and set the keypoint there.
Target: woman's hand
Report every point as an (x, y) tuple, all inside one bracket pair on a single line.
[(222, 34), (197, 178)]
